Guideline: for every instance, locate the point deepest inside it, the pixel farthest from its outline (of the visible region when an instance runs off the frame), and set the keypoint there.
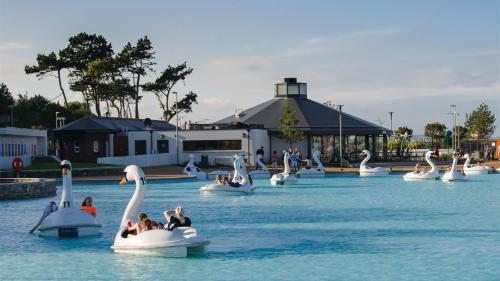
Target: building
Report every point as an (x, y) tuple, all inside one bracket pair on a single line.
[(20, 142), (130, 141), (320, 123), (91, 137)]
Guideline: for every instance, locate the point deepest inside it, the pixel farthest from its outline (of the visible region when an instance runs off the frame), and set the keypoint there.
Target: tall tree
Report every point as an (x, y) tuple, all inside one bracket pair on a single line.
[(83, 49), (137, 60), (481, 122), (6, 99), (162, 88), (435, 131), (46, 64), (288, 121)]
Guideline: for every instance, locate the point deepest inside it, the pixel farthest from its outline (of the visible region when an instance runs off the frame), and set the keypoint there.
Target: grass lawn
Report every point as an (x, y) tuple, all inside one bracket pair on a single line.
[(55, 165)]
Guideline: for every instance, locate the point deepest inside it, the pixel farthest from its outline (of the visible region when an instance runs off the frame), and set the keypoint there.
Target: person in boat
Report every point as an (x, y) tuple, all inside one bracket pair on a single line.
[(250, 180), (294, 160), (417, 169), (148, 225), (49, 209), (87, 206), (218, 179), (176, 218), (225, 181), (139, 226)]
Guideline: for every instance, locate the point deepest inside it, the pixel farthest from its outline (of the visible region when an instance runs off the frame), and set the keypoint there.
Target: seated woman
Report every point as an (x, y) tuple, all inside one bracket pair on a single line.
[(139, 226), (225, 181), (218, 179), (87, 206), (178, 220), (147, 225)]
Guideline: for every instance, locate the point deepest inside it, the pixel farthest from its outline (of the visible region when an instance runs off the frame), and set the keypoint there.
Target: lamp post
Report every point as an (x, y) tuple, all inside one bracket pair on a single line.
[(57, 119), (176, 129), (11, 115), (340, 131), (391, 113)]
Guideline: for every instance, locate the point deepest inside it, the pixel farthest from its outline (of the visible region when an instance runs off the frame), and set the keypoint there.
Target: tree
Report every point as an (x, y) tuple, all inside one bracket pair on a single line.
[(401, 131), (46, 65), (288, 122), (82, 50), (6, 99), (435, 130), (481, 122), (162, 88), (137, 60)]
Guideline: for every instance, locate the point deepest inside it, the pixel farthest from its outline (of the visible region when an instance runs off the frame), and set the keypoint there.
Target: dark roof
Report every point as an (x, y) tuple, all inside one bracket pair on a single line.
[(314, 117), (110, 124)]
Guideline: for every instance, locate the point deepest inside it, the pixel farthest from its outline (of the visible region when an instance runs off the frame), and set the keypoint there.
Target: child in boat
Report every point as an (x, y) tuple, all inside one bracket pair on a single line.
[(218, 179), (225, 181), (87, 206), (139, 226), (309, 163), (178, 220)]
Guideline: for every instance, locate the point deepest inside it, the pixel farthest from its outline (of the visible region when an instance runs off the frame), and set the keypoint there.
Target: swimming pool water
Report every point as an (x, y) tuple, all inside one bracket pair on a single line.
[(335, 228)]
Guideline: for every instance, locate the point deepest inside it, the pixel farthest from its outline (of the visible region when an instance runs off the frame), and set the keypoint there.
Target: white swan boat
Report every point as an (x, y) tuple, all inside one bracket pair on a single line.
[(263, 172), (179, 242), (285, 177), (239, 184), (432, 174), (192, 170), (68, 220), (366, 171), (453, 174), (319, 171), (470, 170)]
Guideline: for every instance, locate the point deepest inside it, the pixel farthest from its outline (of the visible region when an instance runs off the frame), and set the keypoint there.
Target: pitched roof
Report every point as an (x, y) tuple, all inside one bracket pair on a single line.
[(314, 117), (110, 124)]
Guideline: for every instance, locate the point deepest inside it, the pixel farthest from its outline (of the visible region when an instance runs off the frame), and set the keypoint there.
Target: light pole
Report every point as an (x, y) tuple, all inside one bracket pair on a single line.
[(11, 115), (391, 113), (340, 131), (176, 129)]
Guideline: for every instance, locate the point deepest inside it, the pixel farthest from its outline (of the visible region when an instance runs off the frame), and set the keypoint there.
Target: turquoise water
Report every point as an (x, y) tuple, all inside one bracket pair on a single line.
[(335, 228)]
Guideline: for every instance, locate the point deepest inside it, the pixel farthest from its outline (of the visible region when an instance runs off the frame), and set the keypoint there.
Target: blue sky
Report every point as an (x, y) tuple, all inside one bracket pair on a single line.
[(412, 57)]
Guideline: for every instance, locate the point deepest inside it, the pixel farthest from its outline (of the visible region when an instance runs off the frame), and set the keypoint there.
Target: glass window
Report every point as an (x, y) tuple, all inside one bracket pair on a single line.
[(76, 146), (162, 146), (379, 143), (293, 89), (351, 144), (95, 146), (360, 143), (316, 144), (140, 147), (281, 90), (194, 145)]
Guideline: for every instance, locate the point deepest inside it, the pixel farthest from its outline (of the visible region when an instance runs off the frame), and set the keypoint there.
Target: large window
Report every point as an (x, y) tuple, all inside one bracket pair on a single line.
[(162, 146), (140, 147), (194, 145)]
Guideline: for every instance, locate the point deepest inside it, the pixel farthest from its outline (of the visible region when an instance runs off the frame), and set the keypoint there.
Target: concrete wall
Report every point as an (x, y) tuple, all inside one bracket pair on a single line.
[(14, 189)]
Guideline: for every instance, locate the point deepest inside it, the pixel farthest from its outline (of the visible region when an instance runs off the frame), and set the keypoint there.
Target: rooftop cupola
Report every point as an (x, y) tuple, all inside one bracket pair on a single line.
[(290, 88)]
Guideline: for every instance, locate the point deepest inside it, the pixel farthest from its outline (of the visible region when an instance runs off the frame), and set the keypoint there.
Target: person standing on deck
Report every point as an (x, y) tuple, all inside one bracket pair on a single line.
[(260, 152)]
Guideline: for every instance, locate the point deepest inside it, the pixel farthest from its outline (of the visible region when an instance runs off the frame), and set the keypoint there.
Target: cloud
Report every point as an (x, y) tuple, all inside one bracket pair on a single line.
[(319, 45), (14, 46)]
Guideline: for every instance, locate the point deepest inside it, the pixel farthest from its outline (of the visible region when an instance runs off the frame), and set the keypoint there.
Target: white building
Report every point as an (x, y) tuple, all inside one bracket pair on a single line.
[(20, 142)]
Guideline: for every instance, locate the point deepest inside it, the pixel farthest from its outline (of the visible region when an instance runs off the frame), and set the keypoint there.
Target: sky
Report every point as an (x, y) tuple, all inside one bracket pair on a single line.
[(414, 58)]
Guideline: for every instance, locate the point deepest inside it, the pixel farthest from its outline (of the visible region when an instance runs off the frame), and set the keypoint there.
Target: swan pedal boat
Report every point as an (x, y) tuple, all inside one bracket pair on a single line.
[(240, 178), (453, 174), (68, 220), (263, 172), (432, 174), (192, 170), (366, 171), (470, 170), (179, 242), (285, 177), (317, 172)]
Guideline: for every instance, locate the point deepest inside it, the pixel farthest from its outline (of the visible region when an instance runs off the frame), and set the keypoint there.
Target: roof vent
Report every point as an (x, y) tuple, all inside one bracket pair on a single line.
[(291, 80)]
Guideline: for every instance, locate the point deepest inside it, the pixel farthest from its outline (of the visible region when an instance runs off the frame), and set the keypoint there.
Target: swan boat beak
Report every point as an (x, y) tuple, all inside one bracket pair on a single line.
[(123, 180)]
